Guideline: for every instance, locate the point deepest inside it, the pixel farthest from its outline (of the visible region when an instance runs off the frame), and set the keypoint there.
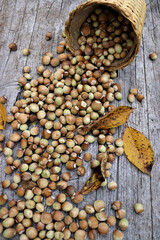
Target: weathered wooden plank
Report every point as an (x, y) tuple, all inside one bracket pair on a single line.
[(152, 76), (133, 183)]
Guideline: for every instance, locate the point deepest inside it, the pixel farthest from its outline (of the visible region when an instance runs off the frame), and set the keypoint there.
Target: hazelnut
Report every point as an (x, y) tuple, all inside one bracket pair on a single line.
[(123, 224), (89, 209), (117, 235), (99, 205), (80, 235), (92, 222), (48, 36), (12, 46), (87, 157), (121, 213), (3, 100), (112, 185), (153, 56), (73, 227), (103, 228), (140, 97), (82, 215), (134, 91), (101, 216), (116, 205), (131, 98), (77, 198), (111, 220), (3, 199), (138, 207), (26, 52), (58, 215), (83, 224), (70, 190), (92, 234)]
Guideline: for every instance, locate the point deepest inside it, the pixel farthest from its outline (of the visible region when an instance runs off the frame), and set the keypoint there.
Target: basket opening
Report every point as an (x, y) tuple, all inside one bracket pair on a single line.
[(80, 17)]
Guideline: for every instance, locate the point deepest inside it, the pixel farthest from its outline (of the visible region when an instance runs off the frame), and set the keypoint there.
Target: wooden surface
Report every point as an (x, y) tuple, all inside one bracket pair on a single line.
[(26, 22)]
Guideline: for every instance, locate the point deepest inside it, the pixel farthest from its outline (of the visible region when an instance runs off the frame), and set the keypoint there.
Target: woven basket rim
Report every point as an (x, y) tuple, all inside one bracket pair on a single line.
[(137, 28)]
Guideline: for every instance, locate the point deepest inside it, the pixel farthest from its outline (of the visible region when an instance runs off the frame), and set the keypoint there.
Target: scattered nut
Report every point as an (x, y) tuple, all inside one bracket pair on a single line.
[(3, 99), (116, 205), (140, 97), (112, 185), (48, 36), (111, 220), (134, 91), (153, 56), (123, 224), (138, 207), (118, 235), (131, 98), (13, 46), (26, 52)]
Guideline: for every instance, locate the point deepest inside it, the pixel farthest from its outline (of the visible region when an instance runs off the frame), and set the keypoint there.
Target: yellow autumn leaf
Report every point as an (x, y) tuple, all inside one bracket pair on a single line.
[(3, 116), (112, 119), (138, 150), (97, 177)]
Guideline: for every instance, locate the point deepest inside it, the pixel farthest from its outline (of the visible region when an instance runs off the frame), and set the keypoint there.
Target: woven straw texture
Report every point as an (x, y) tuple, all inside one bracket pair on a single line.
[(133, 10)]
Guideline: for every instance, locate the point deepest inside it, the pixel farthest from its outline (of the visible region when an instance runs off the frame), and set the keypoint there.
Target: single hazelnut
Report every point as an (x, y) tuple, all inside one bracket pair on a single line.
[(80, 235), (92, 234), (138, 207), (89, 209), (112, 185), (103, 228), (92, 222), (117, 235), (153, 56), (26, 52), (12, 46), (116, 205), (140, 97), (123, 224), (121, 213), (48, 36), (131, 98), (99, 205), (111, 220)]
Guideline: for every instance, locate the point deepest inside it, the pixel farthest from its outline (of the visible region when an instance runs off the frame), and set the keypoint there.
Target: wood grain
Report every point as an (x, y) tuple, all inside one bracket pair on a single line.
[(26, 23)]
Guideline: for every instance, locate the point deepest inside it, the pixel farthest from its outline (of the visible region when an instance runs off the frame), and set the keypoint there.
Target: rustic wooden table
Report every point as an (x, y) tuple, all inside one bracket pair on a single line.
[(26, 22)]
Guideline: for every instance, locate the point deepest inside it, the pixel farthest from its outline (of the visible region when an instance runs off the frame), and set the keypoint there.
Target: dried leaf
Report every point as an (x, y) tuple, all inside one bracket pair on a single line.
[(3, 116), (97, 177), (112, 119), (94, 182), (138, 150), (103, 164), (28, 184)]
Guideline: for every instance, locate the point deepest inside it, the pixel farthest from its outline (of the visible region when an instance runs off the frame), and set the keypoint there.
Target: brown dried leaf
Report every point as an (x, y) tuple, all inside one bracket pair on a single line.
[(97, 177), (138, 150), (3, 116), (112, 119), (94, 182), (28, 184), (103, 164)]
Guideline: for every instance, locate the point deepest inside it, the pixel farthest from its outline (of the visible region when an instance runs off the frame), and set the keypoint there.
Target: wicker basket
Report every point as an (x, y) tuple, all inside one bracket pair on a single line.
[(133, 10)]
